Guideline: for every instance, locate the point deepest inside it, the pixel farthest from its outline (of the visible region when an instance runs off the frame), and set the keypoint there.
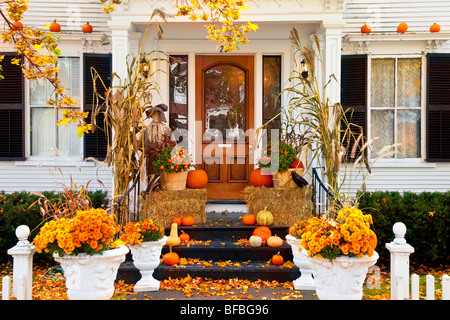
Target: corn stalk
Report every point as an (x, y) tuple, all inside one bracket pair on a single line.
[(124, 108)]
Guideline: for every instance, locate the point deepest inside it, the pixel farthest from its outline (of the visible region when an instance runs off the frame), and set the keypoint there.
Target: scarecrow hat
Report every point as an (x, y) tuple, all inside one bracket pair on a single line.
[(161, 108)]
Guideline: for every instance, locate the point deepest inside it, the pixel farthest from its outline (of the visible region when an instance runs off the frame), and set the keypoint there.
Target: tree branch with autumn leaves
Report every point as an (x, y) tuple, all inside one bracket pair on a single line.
[(37, 55)]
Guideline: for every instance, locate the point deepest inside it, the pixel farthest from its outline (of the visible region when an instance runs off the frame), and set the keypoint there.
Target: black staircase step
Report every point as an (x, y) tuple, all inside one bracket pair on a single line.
[(229, 250), (250, 270)]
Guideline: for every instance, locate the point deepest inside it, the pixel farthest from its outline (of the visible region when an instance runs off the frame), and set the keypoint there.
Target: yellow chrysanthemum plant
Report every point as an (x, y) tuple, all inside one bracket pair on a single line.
[(91, 231), (349, 235), (142, 231)]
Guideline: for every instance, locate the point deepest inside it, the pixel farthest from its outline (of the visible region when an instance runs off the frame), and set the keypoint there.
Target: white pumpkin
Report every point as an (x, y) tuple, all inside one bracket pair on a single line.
[(255, 241)]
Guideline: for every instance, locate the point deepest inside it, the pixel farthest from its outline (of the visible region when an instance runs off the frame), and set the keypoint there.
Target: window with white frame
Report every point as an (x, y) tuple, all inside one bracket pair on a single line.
[(45, 135), (395, 105)]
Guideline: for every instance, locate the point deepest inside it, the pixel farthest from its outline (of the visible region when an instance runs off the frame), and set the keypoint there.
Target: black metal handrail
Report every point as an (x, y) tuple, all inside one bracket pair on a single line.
[(321, 194)]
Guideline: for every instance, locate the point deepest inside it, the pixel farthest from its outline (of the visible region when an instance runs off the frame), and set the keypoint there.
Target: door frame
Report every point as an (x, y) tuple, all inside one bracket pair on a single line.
[(247, 62)]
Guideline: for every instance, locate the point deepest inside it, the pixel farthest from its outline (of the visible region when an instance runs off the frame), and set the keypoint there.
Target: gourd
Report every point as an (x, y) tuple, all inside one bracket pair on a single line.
[(277, 259), (263, 232), (187, 221), (55, 27), (249, 219), (402, 27), (274, 241), (258, 179), (435, 28), (173, 239), (17, 26), (255, 241), (171, 258), (87, 28), (264, 217), (184, 237), (197, 179), (366, 29)]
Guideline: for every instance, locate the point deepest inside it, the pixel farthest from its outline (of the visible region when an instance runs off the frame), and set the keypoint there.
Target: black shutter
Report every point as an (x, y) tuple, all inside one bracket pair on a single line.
[(12, 110), (438, 107), (354, 95), (96, 144)]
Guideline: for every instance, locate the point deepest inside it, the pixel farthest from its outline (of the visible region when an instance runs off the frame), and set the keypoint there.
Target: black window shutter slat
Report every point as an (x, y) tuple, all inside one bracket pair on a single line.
[(354, 96), (96, 144), (438, 107), (12, 122)]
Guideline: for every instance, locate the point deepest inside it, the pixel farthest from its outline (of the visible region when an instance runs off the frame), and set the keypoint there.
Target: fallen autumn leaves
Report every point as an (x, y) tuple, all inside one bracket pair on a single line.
[(200, 288)]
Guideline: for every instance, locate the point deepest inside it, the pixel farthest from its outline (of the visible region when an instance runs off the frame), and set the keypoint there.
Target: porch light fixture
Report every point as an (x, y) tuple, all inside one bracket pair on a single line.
[(304, 68), (144, 67)]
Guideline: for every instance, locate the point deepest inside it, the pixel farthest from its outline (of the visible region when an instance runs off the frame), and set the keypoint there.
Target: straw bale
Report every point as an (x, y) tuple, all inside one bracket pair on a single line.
[(166, 204), (286, 205)]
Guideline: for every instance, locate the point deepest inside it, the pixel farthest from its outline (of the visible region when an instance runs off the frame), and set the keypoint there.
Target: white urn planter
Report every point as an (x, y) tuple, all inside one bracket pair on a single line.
[(91, 277), (343, 278), (300, 259), (146, 257)]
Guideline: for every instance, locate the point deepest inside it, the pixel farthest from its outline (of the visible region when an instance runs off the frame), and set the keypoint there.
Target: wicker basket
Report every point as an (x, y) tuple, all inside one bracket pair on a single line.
[(284, 180), (173, 181)]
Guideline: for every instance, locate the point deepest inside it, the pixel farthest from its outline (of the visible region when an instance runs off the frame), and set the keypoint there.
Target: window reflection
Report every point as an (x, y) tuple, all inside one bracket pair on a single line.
[(271, 90), (178, 88)]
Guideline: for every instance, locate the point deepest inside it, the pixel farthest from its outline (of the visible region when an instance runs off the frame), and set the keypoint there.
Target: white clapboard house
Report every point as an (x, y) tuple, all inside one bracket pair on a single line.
[(398, 85)]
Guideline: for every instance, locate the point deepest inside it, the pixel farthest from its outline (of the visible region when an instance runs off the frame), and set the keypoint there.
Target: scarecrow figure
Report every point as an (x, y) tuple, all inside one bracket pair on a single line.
[(157, 135)]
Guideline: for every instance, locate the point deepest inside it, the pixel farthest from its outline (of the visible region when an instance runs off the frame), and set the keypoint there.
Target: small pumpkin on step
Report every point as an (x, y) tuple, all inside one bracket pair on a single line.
[(264, 217)]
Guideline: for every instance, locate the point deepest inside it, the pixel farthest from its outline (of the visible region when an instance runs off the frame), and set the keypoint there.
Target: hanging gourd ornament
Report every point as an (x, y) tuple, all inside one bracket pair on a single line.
[(366, 29), (435, 28), (55, 27), (402, 28), (87, 28), (17, 26)]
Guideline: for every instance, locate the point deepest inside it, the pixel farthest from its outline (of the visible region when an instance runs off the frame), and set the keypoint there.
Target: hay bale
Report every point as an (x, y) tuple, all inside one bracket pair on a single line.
[(165, 205), (286, 205)]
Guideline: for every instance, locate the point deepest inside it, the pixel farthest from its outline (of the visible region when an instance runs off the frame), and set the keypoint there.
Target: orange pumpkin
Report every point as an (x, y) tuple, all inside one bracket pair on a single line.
[(373, 240), (171, 258), (263, 232), (402, 27), (197, 179), (260, 178), (184, 237), (187, 221), (177, 220), (55, 27), (17, 26), (297, 164), (435, 28), (366, 29), (249, 219), (87, 28), (277, 259)]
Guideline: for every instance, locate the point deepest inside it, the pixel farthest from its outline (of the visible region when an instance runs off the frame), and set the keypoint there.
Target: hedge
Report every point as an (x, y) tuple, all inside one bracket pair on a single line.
[(15, 210), (427, 219)]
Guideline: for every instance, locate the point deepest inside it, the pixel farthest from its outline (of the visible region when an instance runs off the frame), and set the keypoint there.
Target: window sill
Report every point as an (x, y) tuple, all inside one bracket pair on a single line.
[(53, 162), (403, 163)]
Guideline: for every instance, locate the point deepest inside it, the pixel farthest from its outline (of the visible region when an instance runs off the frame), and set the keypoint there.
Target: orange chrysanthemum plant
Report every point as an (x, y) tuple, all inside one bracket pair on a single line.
[(349, 234), (137, 232), (91, 231)]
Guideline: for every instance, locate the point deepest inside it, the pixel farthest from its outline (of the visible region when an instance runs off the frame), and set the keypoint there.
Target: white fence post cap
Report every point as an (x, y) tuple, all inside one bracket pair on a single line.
[(399, 229)]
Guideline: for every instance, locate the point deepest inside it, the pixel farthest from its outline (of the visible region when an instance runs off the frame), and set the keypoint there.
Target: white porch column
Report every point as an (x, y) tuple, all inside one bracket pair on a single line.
[(331, 55), (123, 38)]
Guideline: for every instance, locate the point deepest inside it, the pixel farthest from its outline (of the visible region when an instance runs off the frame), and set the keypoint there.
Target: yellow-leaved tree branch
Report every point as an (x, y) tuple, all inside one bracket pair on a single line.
[(37, 55)]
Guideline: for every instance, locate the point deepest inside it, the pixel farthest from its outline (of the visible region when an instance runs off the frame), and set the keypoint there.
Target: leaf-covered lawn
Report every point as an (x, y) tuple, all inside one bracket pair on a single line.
[(377, 286)]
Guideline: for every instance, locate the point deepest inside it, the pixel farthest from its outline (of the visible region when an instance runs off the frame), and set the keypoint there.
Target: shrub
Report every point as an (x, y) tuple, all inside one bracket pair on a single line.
[(17, 209), (426, 216)]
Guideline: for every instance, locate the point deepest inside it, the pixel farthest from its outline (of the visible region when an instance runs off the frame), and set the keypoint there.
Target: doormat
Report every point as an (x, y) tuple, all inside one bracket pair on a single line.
[(165, 205), (286, 205)]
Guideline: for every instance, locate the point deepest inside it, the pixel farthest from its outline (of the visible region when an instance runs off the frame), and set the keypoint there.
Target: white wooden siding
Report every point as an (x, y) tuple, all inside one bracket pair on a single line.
[(385, 15), (30, 176), (71, 15)]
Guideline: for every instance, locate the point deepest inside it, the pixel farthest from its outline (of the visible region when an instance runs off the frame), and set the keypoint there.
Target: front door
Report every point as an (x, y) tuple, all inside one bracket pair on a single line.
[(224, 105)]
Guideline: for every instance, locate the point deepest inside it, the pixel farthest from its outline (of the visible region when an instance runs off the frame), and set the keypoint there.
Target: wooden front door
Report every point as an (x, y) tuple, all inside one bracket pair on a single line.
[(224, 105)]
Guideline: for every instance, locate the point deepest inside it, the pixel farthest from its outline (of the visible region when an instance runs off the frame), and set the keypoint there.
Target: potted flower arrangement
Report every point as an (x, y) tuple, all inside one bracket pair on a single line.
[(340, 250), (173, 163), (145, 240), (280, 157), (85, 249)]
